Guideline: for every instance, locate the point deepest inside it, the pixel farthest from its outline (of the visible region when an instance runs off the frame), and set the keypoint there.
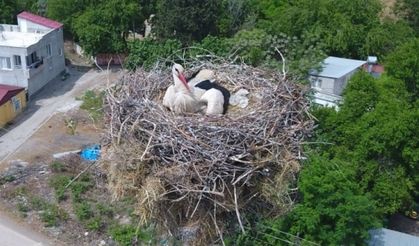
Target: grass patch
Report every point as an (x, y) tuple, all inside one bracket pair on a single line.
[(93, 103)]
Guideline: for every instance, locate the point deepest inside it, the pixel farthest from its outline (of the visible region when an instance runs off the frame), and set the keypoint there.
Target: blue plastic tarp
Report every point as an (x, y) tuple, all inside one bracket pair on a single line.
[(91, 153)]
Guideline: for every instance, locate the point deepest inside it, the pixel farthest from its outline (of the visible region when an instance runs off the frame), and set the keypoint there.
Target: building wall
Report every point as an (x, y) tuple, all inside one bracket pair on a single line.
[(52, 66), (28, 26), (16, 76), (7, 110), (323, 84)]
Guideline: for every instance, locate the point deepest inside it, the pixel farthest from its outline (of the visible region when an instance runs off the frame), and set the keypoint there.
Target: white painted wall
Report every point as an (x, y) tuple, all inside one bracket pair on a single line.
[(35, 79)]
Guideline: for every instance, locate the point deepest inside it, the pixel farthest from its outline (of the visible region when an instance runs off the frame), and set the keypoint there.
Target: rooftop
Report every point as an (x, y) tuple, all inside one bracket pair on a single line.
[(40, 20), (335, 67), (8, 91), (386, 237), (19, 39)]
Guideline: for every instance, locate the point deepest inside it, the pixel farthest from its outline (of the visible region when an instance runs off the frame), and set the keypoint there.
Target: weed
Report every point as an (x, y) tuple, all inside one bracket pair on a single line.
[(38, 203), (52, 215), (127, 235), (83, 211), (94, 224), (23, 207), (7, 179), (92, 103), (80, 187), (58, 183), (104, 210), (57, 167)]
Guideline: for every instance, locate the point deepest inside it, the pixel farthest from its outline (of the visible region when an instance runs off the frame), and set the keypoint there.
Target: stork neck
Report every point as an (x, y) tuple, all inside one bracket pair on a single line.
[(179, 84)]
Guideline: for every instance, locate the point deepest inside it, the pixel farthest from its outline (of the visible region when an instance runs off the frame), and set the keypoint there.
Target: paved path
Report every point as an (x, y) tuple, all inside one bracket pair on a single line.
[(13, 234), (58, 96)]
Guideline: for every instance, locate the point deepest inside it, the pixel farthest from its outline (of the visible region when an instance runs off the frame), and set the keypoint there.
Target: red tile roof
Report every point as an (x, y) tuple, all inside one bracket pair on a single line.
[(8, 91), (40, 20)]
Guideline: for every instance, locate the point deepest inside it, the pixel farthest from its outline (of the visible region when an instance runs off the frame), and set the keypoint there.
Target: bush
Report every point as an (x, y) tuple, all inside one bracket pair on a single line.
[(126, 235), (147, 52)]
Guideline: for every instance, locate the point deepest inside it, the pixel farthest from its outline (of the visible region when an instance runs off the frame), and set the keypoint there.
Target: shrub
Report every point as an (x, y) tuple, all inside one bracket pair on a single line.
[(52, 215), (58, 183), (83, 211), (147, 52)]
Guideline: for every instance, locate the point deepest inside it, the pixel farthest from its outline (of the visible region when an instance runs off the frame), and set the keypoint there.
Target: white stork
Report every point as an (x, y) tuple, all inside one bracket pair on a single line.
[(200, 93), (179, 97)]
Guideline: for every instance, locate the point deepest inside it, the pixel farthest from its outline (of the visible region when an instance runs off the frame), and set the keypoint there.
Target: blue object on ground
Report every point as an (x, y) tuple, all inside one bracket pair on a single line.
[(91, 153)]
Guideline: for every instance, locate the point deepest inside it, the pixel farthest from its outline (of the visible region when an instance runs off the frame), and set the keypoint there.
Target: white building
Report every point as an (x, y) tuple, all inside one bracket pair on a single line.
[(31, 53), (329, 81)]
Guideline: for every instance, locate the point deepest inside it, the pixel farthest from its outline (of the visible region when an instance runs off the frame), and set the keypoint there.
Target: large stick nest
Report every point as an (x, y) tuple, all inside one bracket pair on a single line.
[(192, 173)]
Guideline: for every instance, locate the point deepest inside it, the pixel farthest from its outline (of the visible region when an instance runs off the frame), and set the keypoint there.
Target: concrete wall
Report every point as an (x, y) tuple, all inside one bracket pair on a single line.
[(7, 110), (52, 65)]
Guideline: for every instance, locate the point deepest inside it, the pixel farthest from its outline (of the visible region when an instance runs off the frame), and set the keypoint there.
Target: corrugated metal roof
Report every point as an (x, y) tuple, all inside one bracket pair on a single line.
[(386, 237), (40, 20), (335, 67), (8, 91)]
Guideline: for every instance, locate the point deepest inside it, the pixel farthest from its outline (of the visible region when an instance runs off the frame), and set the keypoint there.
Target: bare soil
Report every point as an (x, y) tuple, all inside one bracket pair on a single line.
[(30, 176)]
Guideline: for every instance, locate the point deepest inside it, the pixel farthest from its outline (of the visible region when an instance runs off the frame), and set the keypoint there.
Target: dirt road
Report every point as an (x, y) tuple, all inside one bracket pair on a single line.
[(57, 96)]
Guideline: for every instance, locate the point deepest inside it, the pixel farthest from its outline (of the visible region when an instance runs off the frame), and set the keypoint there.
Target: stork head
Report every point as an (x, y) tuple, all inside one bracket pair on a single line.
[(177, 71)]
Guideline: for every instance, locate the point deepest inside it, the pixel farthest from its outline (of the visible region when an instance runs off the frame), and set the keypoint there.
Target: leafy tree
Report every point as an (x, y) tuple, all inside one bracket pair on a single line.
[(403, 64), (147, 52), (383, 39), (10, 8), (187, 21), (104, 28), (409, 9), (333, 211)]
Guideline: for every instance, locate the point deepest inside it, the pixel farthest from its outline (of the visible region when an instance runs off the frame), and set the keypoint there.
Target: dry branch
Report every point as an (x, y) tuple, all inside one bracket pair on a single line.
[(182, 168)]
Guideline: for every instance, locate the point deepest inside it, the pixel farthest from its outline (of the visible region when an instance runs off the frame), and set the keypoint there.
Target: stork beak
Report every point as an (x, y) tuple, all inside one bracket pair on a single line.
[(183, 79)]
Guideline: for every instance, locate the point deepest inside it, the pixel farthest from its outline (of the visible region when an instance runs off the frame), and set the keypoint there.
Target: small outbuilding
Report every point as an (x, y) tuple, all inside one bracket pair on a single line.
[(12, 102), (329, 81)]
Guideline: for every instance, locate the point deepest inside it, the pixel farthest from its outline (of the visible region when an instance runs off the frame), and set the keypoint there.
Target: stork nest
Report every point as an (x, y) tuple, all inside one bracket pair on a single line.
[(193, 174)]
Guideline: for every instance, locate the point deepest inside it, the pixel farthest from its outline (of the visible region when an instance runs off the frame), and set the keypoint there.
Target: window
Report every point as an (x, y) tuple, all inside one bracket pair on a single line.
[(17, 61), (318, 83), (49, 49), (60, 52), (16, 104), (5, 63)]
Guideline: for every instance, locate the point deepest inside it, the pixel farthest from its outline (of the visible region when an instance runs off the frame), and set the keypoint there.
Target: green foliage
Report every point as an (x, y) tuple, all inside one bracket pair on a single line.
[(94, 224), (383, 39), (186, 21), (83, 211), (38, 203), (93, 103), (104, 28), (81, 186), (125, 235), (58, 183), (147, 52), (57, 167), (403, 64), (11, 8), (408, 10), (52, 215)]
